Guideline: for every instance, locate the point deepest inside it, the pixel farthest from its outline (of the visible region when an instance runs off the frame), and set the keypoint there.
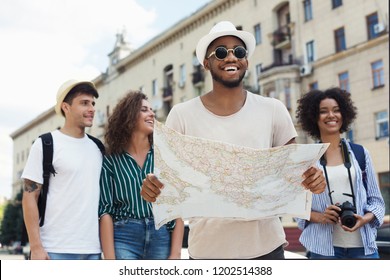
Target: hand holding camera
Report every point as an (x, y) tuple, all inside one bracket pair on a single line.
[(331, 215), (343, 213), (346, 214)]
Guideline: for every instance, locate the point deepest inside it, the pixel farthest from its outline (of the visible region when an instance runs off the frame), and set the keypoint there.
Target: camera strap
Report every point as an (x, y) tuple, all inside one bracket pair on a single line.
[(347, 164), (323, 163)]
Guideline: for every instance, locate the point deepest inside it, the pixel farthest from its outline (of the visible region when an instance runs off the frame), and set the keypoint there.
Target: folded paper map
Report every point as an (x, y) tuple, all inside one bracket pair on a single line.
[(206, 178)]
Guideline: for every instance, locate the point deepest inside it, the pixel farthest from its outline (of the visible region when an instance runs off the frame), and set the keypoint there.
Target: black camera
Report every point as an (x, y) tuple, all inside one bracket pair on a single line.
[(347, 214)]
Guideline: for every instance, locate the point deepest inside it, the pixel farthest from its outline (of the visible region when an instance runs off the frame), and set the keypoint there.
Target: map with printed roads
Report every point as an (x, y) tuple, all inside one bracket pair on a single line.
[(205, 178)]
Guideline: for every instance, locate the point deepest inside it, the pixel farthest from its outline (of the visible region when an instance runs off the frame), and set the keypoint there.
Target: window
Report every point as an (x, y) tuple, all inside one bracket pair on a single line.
[(259, 68), (377, 74), (108, 111), (382, 124), (313, 85), (182, 75), (310, 51), (195, 61), (344, 81), (258, 34), (114, 60), (349, 135), (307, 7), (287, 97), (372, 26), (384, 184), (154, 87), (336, 3), (339, 38)]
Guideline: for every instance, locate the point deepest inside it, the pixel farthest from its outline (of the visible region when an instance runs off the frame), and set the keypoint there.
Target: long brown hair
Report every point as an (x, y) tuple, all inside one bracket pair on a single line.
[(122, 122)]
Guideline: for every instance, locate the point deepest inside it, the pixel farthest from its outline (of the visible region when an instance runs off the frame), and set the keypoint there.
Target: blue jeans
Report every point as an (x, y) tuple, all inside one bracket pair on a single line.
[(345, 253), (137, 239), (64, 256)]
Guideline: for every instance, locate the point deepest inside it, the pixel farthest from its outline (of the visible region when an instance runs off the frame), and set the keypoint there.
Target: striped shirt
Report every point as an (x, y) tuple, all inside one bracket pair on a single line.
[(318, 238), (120, 187)]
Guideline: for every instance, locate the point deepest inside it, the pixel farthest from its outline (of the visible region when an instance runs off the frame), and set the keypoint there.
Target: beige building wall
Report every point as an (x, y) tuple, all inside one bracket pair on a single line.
[(176, 47)]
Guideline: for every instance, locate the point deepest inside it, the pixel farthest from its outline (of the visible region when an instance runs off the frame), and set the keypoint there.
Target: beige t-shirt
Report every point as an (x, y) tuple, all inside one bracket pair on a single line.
[(261, 123)]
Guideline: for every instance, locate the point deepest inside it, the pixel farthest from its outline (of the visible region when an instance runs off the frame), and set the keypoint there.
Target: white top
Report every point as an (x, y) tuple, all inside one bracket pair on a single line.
[(71, 219), (261, 123), (339, 184)]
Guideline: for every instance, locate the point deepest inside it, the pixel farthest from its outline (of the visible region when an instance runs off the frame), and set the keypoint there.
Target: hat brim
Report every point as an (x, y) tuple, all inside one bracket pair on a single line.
[(66, 90), (205, 41)]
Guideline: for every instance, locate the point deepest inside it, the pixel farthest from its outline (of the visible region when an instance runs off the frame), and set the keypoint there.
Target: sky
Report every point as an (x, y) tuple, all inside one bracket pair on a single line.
[(46, 42)]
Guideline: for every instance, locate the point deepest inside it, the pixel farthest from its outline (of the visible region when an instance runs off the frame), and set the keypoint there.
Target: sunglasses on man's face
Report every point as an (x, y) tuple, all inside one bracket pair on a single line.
[(221, 52)]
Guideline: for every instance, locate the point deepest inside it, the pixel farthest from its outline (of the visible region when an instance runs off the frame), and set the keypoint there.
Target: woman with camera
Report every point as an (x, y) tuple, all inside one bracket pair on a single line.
[(345, 217)]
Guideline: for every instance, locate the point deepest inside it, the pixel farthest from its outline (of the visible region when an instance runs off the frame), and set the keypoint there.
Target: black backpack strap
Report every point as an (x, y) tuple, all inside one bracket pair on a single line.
[(98, 143), (358, 151), (47, 150)]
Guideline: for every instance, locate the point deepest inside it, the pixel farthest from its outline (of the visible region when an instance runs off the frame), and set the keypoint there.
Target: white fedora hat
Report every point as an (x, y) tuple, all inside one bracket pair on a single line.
[(66, 87), (224, 28)]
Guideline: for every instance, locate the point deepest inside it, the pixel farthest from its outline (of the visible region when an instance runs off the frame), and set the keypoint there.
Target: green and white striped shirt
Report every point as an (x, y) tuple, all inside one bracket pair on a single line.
[(120, 186)]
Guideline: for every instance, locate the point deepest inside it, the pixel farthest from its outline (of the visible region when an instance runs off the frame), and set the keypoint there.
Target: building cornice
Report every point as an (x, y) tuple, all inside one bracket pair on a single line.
[(352, 50), (35, 122)]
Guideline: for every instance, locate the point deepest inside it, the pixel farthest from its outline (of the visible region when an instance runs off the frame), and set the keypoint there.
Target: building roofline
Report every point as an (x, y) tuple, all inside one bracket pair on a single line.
[(36, 121)]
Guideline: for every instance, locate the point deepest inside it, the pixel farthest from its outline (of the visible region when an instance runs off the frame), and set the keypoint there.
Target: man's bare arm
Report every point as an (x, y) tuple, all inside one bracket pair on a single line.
[(31, 186), (31, 218)]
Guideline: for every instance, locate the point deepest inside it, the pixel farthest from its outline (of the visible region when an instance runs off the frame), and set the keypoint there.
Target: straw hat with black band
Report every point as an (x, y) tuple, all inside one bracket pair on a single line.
[(224, 28)]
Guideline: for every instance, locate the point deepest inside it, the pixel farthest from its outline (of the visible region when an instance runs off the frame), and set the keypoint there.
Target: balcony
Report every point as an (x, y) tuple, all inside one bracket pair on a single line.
[(198, 77), (167, 99), (281, 38), (280, 63)]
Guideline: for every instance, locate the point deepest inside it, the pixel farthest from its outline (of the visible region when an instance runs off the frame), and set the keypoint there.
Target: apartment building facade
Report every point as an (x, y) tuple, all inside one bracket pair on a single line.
[(300, 44)]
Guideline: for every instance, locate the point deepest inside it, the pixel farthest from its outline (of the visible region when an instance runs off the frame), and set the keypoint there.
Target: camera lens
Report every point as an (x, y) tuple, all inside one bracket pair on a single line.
[(348, 221), (347, 214)]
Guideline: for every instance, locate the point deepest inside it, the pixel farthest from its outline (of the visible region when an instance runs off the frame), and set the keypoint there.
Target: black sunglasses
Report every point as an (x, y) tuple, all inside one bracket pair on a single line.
[(221, 52)]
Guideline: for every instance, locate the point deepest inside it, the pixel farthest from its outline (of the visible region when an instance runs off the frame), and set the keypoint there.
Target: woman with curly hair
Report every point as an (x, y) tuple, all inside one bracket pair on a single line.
[(127, 229), (344, 219)]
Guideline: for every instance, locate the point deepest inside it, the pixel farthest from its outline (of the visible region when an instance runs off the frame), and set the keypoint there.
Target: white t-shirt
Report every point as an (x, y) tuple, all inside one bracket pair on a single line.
[(339, 184), (261, 123), (71, 219)]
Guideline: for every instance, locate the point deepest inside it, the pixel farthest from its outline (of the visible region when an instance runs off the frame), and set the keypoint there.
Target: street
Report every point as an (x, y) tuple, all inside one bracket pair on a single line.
[(5, 255)]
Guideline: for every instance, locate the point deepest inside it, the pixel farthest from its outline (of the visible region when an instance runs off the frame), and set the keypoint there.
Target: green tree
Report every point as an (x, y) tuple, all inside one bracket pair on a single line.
[(12, 225)]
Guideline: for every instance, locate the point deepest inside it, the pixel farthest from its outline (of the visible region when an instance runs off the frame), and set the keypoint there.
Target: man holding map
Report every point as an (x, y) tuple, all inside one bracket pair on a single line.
[(230, 114)]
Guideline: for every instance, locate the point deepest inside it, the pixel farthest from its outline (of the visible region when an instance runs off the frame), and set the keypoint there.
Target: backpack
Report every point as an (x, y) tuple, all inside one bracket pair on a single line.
[(358, 151), (47, 148)]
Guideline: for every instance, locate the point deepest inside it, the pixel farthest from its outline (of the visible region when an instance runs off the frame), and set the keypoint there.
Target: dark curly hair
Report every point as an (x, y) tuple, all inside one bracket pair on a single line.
[(122, 122), (309, 107)]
